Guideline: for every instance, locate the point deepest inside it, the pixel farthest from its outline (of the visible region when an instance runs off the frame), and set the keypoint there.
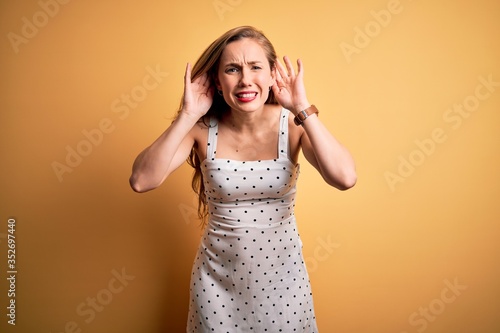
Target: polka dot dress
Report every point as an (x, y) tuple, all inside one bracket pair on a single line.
[(249, 273)]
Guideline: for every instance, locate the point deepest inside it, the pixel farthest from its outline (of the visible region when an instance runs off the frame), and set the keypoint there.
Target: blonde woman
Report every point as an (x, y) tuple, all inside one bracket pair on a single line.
[(243, 119)]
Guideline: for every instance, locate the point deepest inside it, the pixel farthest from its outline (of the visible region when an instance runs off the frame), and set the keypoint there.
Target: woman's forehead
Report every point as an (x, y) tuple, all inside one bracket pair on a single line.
[(243, 51)]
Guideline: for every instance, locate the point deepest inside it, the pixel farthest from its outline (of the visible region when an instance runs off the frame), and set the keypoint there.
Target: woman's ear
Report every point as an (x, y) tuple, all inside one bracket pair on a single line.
[(273, 75)]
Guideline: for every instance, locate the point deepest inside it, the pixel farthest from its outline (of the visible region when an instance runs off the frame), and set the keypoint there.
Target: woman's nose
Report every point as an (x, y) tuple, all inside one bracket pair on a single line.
[(245, 78)]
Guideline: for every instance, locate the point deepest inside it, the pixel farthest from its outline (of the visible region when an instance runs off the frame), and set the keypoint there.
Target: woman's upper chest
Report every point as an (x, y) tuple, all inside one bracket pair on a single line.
[(260, 144)]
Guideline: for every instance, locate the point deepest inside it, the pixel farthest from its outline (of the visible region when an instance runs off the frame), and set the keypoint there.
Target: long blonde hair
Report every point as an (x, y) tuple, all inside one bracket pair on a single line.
[(208, 63)]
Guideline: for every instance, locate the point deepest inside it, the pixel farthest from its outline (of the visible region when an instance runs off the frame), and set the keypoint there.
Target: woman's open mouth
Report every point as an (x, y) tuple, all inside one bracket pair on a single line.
[(246, 96)]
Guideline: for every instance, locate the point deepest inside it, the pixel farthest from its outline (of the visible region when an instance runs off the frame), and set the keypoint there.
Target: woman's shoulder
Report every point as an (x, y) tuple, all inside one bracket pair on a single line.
[(293, 129), (294, 136), (199, 133), (200, 129)]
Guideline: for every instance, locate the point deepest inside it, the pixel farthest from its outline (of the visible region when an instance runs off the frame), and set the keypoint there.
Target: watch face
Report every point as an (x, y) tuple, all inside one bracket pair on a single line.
[(302, 115)]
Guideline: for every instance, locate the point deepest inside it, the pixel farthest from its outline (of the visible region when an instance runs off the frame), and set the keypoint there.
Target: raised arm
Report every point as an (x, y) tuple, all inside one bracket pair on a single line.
[(327, 154), (155, 163), (320, 147)]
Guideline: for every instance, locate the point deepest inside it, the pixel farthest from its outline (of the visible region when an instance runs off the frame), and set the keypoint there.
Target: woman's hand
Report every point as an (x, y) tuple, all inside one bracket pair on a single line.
[(198, 94), (289, 87)]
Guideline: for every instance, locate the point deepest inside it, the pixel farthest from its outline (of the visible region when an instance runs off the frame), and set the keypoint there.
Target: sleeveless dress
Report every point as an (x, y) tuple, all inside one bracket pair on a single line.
[(249, 273)]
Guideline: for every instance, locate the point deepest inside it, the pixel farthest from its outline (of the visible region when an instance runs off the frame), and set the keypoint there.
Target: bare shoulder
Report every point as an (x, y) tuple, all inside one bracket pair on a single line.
[(294, 137), (294, 132), (272, 111)]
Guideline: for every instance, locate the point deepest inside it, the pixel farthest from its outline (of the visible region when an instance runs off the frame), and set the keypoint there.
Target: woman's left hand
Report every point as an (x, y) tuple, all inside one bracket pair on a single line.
[(289, 87)]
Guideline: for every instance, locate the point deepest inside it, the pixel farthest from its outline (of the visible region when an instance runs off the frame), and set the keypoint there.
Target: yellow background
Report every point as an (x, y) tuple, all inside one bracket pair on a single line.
[(378, 255)]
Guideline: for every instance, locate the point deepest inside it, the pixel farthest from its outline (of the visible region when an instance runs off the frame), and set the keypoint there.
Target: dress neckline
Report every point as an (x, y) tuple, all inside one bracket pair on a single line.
[(282, 149)]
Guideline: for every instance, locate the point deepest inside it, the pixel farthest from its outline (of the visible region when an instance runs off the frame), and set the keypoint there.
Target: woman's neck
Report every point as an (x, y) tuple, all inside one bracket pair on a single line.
[(244, 122)]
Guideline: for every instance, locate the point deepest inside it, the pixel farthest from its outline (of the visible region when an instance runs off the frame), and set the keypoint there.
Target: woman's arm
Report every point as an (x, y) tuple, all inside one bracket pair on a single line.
[(321, 149), (327, 154), (155, 163), (172, 148)]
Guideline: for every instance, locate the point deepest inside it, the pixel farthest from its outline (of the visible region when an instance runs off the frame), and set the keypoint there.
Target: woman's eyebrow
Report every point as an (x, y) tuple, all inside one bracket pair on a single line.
[(235, 64)]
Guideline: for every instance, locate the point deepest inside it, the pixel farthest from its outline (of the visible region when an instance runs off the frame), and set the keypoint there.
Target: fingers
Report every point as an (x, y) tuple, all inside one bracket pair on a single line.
[(289, 71), (187, 75), (300, 68), (204, 81), (200, 80), (281, 71), (289, 67), (278, 72)]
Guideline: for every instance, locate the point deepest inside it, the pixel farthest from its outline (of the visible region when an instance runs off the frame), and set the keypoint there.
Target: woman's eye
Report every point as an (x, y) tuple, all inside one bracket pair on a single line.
[(231, 70), (256, 67)]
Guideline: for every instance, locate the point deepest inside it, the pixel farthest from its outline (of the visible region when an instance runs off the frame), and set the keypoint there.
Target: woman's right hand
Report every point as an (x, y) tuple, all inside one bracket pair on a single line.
[(198, 94)]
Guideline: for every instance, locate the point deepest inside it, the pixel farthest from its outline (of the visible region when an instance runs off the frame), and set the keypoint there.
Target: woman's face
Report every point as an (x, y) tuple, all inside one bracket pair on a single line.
[(244, 75)]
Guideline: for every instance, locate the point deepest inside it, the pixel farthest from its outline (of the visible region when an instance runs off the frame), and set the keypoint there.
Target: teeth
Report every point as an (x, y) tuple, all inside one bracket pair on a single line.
[(247, 95)]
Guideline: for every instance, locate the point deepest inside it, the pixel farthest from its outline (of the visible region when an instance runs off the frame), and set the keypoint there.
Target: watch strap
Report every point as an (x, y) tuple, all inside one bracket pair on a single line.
[(304, 114)]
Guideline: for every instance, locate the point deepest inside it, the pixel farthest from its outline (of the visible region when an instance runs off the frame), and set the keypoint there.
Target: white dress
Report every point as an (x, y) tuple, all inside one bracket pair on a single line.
[(249, 273)]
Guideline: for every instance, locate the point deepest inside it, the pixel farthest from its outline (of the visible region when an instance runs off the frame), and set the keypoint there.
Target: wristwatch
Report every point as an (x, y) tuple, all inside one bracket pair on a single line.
[(302, 115)]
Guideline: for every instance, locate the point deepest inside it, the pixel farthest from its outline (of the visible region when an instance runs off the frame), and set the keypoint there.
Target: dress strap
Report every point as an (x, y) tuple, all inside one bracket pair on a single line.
[(283, 135), (213, 131)]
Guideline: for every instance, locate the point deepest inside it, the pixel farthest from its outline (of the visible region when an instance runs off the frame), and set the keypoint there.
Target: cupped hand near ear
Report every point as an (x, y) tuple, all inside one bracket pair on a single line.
[(289, 87), (198, 94)]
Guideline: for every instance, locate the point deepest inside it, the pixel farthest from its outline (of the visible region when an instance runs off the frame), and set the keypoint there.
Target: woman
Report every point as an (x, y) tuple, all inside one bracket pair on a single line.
[(242, 121)]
